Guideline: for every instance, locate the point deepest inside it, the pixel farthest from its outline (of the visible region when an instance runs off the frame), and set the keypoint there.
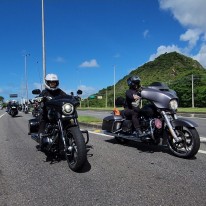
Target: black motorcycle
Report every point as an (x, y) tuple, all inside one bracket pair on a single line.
[(158, 122), (36, 110), (62, 132), (26, 109), (13, 110)]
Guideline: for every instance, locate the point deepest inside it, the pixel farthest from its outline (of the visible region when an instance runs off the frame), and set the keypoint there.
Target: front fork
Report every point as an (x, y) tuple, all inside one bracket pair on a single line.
[(63, 137), (171, 129)]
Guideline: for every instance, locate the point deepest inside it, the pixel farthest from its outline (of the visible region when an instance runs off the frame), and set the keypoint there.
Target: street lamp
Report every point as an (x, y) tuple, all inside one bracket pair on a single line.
[(193, 104), (25, 70), (43, 43), (114, 86)]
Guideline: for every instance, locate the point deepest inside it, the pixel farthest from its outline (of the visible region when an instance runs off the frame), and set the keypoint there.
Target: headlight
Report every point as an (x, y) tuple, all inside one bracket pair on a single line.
[(67, 108), (173, 104)]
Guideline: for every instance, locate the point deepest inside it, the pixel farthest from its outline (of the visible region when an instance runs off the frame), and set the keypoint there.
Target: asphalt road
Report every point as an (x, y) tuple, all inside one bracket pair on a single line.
[(132, 174)]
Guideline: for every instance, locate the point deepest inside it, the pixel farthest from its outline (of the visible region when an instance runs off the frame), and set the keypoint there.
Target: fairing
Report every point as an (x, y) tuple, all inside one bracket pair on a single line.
[(160, 98), (183, 123), (58, 101)]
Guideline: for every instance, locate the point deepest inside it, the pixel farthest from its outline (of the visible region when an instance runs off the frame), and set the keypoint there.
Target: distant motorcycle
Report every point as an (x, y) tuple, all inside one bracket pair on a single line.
[(158, 121), (36, 110), (26, 109), (13, 110), (63, 134), (20, 107)]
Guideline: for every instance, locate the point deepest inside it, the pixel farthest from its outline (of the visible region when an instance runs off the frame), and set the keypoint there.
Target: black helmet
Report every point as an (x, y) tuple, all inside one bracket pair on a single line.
[(133, 81)]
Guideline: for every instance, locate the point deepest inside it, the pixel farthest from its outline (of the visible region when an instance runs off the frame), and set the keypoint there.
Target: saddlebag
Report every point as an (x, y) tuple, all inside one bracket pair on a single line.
[(112, 123), (33, 126)]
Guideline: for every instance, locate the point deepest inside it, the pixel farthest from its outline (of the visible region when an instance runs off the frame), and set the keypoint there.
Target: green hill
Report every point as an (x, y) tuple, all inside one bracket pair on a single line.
[(179, 72)]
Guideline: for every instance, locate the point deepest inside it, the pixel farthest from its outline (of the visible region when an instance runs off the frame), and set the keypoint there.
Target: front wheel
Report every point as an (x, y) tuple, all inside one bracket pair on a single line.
[(189, 144), (75, 151)]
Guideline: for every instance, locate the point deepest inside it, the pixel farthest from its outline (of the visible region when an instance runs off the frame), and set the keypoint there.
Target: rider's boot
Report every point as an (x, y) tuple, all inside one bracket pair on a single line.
[(138, 132), (41, 136)]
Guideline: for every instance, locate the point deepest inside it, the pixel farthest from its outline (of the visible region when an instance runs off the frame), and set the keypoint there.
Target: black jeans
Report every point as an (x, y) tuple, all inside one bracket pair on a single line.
[(133, 114), (42, 122)]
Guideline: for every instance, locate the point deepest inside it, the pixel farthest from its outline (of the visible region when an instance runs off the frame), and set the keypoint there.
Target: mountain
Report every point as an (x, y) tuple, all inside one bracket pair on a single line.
[(179, 72)]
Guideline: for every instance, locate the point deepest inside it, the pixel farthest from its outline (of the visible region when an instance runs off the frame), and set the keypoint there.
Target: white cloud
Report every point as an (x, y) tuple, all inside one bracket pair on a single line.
[(201, 56), (117, 55), (146, 33), (87, 90), (190, 13), (192, 36), (192, 16), (163, 49), (60, 60), (91, 63), (37, 85)]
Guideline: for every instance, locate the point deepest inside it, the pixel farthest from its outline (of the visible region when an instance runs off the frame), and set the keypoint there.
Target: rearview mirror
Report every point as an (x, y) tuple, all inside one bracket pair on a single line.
[(36, 91), (79, 92)]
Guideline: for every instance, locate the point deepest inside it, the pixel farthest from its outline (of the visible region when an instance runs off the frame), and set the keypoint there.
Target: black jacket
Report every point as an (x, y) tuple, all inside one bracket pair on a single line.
[(50, 93), (130, 98)]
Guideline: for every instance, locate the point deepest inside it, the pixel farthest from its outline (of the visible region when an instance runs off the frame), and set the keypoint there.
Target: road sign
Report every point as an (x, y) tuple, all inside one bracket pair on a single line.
[(99, 97), (13, 95), (92, 97)]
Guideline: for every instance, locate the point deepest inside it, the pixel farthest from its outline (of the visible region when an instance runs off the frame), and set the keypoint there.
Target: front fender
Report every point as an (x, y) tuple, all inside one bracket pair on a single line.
[(183, 122)]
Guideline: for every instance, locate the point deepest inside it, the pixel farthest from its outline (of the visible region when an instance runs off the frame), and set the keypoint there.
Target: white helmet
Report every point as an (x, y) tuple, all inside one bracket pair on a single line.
[(51, 82)]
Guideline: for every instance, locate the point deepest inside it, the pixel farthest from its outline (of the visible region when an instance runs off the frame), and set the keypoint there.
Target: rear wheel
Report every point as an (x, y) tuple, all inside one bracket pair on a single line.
[(75, 151), (12, 113), (189, 144)]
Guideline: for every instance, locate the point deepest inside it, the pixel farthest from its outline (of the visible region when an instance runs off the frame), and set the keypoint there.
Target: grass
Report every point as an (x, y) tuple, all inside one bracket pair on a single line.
[(192, 110), (89, 119)]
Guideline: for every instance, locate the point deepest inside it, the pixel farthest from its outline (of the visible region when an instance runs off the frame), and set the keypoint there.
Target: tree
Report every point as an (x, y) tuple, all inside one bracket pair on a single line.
[(1, 99)]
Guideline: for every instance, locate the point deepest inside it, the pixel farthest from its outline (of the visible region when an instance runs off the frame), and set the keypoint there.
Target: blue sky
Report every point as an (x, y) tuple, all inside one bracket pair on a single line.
[(84, 39)]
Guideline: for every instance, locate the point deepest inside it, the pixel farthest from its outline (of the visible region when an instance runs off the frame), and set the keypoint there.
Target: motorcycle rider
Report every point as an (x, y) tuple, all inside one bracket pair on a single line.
[(8, 106), (51, 90), (133, 97)]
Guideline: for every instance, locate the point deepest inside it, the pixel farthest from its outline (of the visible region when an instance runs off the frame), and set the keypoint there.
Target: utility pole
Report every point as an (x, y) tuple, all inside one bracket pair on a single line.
[(106, 99), (114, 86), (193, 105), (25, 70), (43, 43)]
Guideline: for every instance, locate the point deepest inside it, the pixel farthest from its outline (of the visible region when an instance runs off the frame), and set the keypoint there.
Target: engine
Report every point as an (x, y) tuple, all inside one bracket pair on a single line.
[(152, 126), (50, 141)]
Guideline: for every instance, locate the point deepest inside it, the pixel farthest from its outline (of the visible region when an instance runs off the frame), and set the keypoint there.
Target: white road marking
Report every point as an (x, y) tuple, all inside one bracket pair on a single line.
[(202, 139), (2, 115), (202, 151)]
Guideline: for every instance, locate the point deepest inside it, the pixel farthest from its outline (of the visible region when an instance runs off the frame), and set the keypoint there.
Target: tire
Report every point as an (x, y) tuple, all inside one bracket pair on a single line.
[(121, 140), (189, 145), (75, 152), (12, 113)]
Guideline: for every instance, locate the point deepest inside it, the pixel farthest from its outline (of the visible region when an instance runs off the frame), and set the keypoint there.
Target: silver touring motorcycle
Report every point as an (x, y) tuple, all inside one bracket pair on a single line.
[(158, 122)]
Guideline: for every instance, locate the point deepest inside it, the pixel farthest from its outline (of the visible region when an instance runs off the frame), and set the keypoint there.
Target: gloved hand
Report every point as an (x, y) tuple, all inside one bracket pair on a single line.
[(39, 99)]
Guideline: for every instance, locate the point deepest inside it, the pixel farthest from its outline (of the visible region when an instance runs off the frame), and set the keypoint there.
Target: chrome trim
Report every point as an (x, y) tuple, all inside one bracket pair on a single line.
[(177, 139)]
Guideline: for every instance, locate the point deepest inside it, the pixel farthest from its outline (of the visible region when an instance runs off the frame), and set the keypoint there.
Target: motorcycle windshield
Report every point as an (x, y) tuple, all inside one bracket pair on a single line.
[(160, 98), (60, 100), (14, 105)]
